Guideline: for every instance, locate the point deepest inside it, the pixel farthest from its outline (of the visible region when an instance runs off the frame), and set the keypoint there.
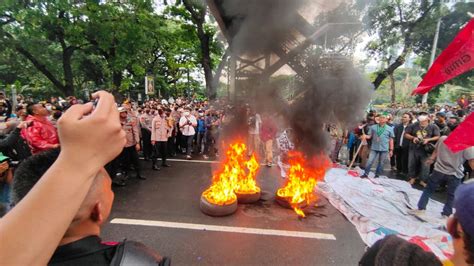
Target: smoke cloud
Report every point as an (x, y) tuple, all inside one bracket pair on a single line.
[(259, 25), (331, 90)]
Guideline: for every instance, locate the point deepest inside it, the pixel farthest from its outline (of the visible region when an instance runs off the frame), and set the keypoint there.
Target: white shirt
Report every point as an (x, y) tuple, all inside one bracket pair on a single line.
[(186, 129), (403, 135)]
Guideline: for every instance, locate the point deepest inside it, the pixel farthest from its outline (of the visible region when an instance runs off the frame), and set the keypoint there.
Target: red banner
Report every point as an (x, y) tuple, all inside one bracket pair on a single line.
[(463, 136), (456, 59)]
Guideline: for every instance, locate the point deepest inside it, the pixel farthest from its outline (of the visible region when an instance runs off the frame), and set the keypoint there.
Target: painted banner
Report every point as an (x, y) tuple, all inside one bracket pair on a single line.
[(378, 207), (149, 85)]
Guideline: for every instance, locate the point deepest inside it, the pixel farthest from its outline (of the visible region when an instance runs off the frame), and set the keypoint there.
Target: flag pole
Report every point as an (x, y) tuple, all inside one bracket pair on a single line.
[(424, 99)]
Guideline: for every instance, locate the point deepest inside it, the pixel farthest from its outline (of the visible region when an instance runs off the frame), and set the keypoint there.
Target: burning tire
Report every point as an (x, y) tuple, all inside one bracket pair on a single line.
[(285, 203), (245, 198), (212, 209)]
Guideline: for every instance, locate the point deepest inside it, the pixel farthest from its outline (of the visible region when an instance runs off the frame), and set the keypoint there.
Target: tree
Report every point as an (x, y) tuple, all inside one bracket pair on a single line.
[(97, 44), (195, 12), (451, 24), (398, 24), (45, 34)]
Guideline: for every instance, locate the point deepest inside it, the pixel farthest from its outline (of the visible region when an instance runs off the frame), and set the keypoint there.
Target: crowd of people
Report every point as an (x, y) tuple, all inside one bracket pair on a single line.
[(415, 147), (38, 134)]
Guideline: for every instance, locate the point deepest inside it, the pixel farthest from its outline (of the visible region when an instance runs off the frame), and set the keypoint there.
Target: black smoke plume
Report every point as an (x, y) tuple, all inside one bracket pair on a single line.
[(330, 91)]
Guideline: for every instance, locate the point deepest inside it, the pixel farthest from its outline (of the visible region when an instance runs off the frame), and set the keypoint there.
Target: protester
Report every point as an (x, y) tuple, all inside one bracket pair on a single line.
[(187, 123), (172, 123), (5, 106), (254, 123), (337, 136), (268, 132), (81, 243), (6, 177), (401, 144), (362, 133), (463, 102), (382, 145), (41, 135), (213, 123), (201, 133), (422, 136), (14, 145), (448, 168), (453, 122), (441, 124), (88, 143)]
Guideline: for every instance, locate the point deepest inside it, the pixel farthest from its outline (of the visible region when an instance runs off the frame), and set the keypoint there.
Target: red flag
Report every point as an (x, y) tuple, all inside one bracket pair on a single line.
[(463, 136), (456, 59)]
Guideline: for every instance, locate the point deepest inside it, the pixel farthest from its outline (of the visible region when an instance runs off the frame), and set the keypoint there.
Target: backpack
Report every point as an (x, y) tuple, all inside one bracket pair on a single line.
[(136, 253)]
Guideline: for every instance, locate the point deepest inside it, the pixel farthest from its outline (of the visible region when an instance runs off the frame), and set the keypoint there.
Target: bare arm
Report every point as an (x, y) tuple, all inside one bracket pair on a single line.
[(408, 136), (31, 231), (435, 138)]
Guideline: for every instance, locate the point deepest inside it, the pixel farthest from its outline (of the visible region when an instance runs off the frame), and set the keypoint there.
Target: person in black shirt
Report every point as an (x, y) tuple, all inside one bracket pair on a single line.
[(441, 123), (401, 144), (81, 244), (420, 135), (5, 106)]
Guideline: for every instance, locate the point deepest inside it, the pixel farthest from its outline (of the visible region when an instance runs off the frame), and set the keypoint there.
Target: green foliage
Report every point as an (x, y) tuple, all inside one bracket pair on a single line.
[(55, 45), (451, 23), (406, 79), (399, 24)]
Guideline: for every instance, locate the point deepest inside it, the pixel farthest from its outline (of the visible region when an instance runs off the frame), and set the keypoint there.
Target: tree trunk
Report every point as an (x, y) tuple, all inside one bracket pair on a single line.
[(392, 88), (67, 68), (42, 68), (381, 76), (206, 62), (198, 16), (117, 79), (220, 67)]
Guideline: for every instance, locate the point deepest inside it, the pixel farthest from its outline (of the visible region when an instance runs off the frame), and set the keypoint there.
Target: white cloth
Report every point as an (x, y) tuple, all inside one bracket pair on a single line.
[(186, 129), (380, 207)]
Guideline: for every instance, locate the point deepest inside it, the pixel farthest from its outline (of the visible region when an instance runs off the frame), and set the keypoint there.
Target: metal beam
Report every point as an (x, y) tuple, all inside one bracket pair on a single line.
[(218, 16)]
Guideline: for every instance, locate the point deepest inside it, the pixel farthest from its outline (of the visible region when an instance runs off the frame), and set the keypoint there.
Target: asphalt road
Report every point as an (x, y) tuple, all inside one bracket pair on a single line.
[(172, 195)]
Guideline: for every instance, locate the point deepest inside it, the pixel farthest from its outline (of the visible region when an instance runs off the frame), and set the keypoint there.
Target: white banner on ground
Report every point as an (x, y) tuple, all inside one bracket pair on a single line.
[(379, 207)]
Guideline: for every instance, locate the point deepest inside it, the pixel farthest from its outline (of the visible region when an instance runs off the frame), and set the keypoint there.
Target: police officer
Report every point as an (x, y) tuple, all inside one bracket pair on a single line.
[(159, 138), (129, 155), (145, 125)]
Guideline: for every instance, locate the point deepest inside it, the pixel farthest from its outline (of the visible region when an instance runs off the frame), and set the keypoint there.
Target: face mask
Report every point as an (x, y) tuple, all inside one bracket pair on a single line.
[(186, 113), (49, 108)]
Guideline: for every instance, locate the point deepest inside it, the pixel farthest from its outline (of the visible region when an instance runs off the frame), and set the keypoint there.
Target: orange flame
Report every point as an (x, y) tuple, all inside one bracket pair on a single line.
[(237, 175), (302, 179)]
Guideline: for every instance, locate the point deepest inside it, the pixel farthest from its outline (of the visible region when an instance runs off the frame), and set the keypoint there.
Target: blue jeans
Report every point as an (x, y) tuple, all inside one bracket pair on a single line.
[(433, 182), (381, 157), (5, 193), (417, 160)]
